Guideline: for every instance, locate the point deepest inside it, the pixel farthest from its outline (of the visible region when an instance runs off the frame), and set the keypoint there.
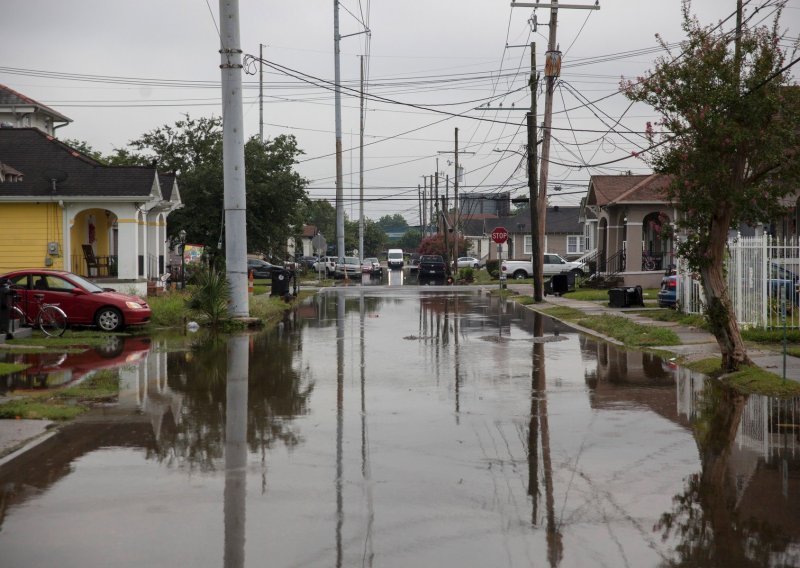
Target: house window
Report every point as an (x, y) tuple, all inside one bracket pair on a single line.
[(528, 245), (574, 244)]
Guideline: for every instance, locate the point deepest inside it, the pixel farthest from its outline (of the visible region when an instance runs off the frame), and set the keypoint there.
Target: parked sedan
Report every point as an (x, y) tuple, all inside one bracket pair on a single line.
[(84, 302), (260, 268), (468, 262)]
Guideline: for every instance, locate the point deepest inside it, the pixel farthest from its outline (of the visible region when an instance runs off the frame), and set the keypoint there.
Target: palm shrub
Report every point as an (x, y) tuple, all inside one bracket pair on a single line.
[(209, 295)]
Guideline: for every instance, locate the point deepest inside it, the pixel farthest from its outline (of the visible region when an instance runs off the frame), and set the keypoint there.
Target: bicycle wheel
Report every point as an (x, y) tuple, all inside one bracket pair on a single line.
[(52, 321)]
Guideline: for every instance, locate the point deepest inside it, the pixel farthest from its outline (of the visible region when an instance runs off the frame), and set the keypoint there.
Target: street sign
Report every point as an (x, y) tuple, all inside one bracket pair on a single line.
[(500, 235), (319, 243)]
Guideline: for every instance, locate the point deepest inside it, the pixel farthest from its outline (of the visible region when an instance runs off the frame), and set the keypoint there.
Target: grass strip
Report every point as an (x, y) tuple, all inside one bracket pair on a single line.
[(65, 403), (755, 380), (666, 314), (8, 368)]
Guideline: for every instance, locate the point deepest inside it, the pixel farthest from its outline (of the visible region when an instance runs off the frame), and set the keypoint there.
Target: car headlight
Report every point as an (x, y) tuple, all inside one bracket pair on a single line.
[(134, 305)]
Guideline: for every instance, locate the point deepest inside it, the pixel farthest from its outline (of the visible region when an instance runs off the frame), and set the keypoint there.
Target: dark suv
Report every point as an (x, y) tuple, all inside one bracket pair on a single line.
[(431, 267)]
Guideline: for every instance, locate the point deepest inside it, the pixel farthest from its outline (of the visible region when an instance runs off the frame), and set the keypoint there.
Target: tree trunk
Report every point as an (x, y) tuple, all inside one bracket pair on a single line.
[(720, 313)]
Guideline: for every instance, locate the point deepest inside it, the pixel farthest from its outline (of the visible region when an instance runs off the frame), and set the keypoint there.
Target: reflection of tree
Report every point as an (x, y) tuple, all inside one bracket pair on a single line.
[(704, 519), (276, 395)]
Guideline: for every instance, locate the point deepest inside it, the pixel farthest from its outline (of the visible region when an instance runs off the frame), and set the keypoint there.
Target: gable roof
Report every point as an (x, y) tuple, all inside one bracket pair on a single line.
[(558, 220), (41, 158), (609, 190), (11, 98)]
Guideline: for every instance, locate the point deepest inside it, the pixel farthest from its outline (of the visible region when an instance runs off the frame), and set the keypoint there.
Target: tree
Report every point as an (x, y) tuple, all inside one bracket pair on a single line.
[(435, 244), (322, 215), (374, 237), (192, 148), (84, 147), (730, 148), (394, 222), (410, 240)]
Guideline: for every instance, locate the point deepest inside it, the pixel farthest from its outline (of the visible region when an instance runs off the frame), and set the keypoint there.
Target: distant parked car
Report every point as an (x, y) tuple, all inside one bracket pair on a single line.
[(783, 278), (260, 268), (468, 262), (431, 267), (84, 302), (349, 266), (668, 293), (307, 261), (371, 266), (326, 264)]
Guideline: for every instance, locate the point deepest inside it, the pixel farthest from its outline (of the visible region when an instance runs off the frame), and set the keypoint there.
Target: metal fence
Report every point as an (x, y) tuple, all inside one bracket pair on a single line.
[(762, 275)]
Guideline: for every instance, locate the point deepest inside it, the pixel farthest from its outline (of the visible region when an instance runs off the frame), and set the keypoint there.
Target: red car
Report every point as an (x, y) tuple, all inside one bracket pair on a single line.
[(84, 302)]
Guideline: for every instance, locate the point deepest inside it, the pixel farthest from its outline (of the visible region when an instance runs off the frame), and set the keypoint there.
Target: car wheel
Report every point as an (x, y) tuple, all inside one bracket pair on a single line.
[(476, 266), (520, 274), (576, 272), (108, 319)]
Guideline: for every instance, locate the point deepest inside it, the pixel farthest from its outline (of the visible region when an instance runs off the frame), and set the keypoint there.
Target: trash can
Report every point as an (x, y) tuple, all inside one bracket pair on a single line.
[(280, 282), (634, 296), (560, 284), (618, 298), (6, 301)]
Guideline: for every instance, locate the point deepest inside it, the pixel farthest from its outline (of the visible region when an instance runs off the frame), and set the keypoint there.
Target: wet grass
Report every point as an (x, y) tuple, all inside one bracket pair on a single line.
[(564, 313), (8, 368), (666, 314), (271, 309), (755, 380), (748, 380), (64, 403), (169, 310), (71, 338), (628, 332)]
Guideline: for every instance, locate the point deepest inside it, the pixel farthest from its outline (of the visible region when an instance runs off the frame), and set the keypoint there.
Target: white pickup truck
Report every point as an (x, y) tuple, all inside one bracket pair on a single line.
[(553, 264)]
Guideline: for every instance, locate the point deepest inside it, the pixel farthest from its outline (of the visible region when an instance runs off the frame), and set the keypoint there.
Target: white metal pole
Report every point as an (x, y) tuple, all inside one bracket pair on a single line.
[(361, 171), (233, 158), (338, 112)]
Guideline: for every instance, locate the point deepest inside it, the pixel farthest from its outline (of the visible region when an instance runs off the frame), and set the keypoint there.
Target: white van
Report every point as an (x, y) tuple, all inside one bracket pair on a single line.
[(395, 258)]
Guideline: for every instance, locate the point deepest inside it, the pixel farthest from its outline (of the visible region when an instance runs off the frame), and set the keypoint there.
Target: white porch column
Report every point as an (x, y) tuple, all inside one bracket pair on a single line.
[(142, 239), (127, 261)]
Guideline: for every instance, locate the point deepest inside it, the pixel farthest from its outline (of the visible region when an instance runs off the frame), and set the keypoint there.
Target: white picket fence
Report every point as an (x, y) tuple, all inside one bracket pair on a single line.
[(762, 273)]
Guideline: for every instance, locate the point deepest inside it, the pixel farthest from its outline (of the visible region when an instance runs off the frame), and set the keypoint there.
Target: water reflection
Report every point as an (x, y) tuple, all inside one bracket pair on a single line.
[(56, 370), (417, 429)]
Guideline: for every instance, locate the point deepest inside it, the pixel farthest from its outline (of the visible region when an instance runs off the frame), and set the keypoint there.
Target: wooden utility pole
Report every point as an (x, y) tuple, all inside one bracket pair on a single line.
[(261, 92), (424, 206), (455, 204), (537, 254), (337, 98), (552, 71), (361, 170)]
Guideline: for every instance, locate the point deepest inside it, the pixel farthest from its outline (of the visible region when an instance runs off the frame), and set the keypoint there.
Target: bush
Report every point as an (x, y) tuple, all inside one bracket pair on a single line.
[(466, 274), (209, 295), (493, 268)]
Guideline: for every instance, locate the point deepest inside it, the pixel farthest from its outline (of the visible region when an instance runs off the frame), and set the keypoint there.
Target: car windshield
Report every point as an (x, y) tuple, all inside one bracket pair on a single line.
[(351, 260), (395, 255), (87, 285)]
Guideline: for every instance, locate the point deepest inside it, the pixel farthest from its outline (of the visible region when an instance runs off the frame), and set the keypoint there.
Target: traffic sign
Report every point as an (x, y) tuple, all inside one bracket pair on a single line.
[(500, 235)]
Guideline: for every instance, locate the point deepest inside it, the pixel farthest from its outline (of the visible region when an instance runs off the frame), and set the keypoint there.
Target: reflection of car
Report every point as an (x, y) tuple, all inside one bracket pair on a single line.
[(371, 266), (49, 370), (668, 293), (468, 262), (84, 302), (347, 266), (260, 268)]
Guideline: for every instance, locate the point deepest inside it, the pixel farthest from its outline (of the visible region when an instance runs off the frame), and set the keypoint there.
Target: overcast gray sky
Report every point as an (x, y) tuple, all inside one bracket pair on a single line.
[(123, 67)]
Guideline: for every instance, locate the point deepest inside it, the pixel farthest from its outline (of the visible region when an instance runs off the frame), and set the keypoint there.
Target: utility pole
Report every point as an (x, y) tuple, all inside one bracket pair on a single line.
[(340, 252), (424, 206), (233, 158), (436, 200), (537, 254), (419, 203), (455, 203), (552, 71), (261, 92), (361, 171)]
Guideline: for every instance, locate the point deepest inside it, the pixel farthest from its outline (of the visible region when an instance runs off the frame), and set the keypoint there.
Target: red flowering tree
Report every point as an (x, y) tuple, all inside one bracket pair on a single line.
[(731, 132), (435, 245)]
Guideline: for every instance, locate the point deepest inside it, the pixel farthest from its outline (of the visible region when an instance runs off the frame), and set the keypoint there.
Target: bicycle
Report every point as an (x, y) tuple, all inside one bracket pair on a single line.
[(51, 319), (648, 262)]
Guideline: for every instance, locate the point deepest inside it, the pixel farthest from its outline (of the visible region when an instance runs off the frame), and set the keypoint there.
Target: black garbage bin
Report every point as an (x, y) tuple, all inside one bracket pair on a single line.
[(6, 301), (634, 296), (618, 298), (560, 284), (280, 282)]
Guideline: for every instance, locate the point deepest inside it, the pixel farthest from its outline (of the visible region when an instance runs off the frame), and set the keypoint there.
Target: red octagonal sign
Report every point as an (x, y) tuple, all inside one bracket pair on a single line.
[(500, 235)]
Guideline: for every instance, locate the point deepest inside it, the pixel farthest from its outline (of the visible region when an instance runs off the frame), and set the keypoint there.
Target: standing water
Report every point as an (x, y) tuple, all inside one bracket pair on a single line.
[(409, 427)]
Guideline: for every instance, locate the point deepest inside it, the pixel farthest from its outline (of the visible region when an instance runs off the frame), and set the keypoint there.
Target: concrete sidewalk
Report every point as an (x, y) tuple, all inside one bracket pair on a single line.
[(695, 343)]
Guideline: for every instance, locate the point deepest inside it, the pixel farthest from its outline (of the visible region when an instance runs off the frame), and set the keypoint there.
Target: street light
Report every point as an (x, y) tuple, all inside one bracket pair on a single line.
[(182, 243)]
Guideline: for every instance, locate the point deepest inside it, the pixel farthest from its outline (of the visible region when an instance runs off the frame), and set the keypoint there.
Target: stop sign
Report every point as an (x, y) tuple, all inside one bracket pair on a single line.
[(500, 235)]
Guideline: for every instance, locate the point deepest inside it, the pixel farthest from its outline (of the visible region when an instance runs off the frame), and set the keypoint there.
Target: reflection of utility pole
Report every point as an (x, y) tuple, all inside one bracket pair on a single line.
[(339, 423), (236, 451), (365, 470)]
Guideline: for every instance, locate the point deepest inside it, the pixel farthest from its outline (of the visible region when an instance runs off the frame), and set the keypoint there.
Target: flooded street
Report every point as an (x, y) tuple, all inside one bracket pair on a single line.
[(406, 426)]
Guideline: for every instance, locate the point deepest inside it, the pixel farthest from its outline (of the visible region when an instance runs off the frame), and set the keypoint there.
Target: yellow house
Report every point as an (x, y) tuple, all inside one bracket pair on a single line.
[(64, 210)]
